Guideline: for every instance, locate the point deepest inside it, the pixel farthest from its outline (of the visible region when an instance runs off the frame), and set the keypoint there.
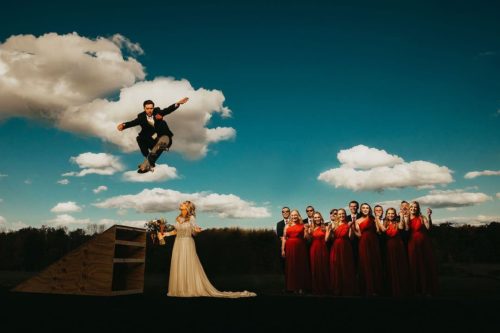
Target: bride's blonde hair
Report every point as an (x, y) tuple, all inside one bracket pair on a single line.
[(191, 210)]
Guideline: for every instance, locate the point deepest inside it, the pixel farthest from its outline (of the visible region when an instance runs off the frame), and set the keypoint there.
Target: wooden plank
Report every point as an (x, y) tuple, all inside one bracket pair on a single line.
[(127, 292), (127, 260), (129, 243)]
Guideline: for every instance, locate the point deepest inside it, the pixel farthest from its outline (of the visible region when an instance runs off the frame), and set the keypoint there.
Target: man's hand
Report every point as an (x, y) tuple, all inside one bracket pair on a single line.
[(182, 101), (120, 127), (159, 116)]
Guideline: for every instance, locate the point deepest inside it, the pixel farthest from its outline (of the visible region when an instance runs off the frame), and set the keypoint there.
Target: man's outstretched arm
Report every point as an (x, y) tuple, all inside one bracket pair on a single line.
[(128, 124), (173, 107)]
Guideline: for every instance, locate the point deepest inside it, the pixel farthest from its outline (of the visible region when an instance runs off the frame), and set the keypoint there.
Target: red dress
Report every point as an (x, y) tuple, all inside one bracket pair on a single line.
[(397, 262), (423, 271), (370, 262), (342, 274), (297, 274), (318, 255)]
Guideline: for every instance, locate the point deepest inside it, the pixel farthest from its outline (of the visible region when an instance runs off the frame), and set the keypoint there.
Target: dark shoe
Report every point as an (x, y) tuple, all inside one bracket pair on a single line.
[(140, 170)]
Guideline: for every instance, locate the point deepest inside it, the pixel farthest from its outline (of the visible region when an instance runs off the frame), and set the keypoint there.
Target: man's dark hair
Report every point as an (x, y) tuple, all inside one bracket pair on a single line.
[(402, 202), (148, 102), (354, 201)]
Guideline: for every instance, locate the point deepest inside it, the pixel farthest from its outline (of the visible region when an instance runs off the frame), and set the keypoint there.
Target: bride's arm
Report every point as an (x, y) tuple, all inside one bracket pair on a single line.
[(195, 228)]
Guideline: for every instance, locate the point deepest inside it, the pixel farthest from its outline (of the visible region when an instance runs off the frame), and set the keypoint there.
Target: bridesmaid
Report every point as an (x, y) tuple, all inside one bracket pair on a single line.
[(370, 265), (342, 274), (318, 256), (397, 261), (294, 250), (423, 271)]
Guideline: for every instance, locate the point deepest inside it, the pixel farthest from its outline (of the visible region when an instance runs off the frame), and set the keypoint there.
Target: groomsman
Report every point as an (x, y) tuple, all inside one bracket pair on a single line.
[(353, 207), (280, 227), (310, 213)]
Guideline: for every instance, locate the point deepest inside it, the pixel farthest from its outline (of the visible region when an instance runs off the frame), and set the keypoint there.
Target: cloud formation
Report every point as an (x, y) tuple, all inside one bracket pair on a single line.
[(38, 82), (100, 189), (66, 207), (474, 174), (67, 220), (372, 169), (470, 220), (363, 157), (162, 173), (70, 88), (63, 182), (158, 200), (452, 198), (100, 163)]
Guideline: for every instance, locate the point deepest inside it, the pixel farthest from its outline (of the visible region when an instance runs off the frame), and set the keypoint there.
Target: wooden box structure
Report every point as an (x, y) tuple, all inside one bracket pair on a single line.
[(111, 263)]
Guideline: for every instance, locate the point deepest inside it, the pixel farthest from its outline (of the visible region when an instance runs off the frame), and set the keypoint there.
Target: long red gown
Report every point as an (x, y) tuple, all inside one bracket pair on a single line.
[(370, 262), (423, 271), (342, 273), (397, 262), (297, 274), (318, 255)]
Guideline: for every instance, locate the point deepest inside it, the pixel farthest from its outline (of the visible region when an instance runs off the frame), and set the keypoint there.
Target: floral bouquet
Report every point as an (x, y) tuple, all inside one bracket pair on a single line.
[(158, 230)]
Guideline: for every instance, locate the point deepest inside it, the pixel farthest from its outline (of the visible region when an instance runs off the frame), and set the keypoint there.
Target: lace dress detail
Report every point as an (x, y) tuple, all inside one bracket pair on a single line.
[(187, 276)]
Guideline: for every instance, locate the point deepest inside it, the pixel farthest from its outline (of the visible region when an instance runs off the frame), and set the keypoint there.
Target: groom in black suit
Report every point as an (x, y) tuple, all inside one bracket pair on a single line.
[(153, 129), (280, 227)]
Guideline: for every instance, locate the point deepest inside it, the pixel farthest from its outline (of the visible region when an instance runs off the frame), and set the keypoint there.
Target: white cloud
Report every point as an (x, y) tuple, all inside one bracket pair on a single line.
[(42, 76), (63, 181), (2, 175), (474, 174), (498, 195), (100, 189), (417, 173), (69, 88), (65, 220), (100, 163), (131, 223), (159, 200), (470, 220), (363, 157), (452, 198), (28, 181), (162, 173), (124, 43), (1, 200), (66, 207), (14, 226), (390, 203)]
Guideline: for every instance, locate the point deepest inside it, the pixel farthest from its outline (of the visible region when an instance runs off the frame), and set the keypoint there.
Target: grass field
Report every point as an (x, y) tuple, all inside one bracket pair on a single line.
[(468, 302)]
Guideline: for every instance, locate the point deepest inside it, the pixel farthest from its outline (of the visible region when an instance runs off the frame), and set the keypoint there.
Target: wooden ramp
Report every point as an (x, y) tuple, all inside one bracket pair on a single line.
[(111, 263)]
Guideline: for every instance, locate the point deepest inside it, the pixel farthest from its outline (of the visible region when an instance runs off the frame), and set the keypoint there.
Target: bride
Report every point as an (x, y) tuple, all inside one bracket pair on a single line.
[(187, 277)]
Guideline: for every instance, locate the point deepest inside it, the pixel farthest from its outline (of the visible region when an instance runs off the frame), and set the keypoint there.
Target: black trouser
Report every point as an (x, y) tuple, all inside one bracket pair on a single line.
[(147, 143)]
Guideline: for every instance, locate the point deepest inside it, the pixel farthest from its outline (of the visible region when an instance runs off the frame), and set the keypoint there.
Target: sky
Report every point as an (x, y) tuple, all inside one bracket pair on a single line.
[(292, 103)]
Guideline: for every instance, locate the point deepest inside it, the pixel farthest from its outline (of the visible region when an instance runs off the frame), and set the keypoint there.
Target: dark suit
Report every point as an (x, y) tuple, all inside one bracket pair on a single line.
[(280, 227), (354, 242), (145, 138)]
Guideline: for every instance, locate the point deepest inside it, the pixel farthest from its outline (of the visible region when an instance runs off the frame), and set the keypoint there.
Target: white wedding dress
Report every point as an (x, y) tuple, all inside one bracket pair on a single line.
[(187, 277)]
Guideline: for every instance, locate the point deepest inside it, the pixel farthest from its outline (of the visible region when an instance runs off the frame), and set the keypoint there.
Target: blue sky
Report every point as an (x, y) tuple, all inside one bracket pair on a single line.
[(307, 104)]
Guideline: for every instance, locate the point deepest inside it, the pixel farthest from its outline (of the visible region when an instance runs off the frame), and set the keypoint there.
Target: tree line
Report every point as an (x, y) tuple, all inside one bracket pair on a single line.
[(229, 250)]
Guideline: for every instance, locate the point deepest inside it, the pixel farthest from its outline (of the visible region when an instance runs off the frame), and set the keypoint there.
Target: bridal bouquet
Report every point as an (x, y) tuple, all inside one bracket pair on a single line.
[(158, 229)]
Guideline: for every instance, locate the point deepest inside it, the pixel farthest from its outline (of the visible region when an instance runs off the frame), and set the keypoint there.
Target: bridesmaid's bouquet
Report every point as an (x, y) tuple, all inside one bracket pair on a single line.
[(157, 230)]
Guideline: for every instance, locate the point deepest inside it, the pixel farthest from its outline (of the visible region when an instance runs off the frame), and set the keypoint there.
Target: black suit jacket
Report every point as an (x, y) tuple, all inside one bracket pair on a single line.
[(280, 227), (160, 126), (349, 217)]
